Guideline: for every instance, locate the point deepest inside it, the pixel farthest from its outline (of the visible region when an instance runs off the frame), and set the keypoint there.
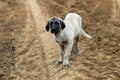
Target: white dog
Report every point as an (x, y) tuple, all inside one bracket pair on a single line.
[(65, 32)]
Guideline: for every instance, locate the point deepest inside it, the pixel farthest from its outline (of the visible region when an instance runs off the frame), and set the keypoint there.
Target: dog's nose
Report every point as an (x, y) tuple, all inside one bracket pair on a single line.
[(52, 30)]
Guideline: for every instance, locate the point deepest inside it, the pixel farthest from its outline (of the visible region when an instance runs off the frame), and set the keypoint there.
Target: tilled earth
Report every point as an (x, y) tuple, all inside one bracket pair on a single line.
[(28, 52)]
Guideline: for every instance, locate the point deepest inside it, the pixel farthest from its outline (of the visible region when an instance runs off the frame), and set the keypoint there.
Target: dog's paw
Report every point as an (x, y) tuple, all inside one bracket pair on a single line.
[(59, 62), (65, 66)]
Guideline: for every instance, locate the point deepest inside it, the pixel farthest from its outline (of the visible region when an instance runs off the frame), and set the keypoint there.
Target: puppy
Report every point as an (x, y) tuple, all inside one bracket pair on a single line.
[(65, 31)]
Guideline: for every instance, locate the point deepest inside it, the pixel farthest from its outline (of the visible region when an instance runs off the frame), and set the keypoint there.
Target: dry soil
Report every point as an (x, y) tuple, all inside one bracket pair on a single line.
[(28, 52)]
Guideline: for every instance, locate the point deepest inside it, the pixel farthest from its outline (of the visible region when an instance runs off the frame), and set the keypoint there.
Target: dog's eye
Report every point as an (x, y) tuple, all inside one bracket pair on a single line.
[(51, 23)]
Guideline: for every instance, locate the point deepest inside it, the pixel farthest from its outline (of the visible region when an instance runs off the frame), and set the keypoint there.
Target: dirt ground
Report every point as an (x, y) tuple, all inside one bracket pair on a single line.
[(28, 52)]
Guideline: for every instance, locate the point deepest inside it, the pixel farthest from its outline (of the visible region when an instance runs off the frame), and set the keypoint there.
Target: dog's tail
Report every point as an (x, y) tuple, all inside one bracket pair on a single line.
[(82, 31), (85, 34)]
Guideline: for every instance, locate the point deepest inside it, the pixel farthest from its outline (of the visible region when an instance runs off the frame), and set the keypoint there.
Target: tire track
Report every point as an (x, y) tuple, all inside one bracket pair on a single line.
[(37, 15), (39, 20)]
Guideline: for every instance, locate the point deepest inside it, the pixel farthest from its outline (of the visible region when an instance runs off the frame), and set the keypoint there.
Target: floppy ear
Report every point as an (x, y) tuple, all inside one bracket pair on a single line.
[(62, 24), (47, 27)]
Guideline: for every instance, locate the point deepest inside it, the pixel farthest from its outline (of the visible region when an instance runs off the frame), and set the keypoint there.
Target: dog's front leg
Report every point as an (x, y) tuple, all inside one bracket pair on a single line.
[(67, 54), (60, 60)]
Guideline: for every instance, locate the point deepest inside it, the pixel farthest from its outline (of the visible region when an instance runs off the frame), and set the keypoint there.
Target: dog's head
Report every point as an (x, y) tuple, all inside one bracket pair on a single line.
[(55, 25)]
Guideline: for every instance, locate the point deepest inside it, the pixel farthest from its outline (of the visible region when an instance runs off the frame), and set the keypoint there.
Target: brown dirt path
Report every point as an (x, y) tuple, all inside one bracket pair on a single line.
[(28, 52), (38, 62)]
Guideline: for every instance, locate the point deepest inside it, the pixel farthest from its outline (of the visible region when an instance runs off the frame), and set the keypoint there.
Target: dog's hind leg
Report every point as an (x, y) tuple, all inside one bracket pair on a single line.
[(77, 45)]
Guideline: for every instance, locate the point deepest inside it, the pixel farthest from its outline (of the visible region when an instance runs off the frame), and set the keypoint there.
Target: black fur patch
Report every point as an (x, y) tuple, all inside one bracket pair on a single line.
[(47, 27), (62, 24)]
